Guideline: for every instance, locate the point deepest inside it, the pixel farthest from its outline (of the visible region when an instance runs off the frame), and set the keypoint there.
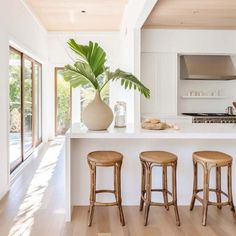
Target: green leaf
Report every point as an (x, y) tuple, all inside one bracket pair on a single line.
[(79, 74), (122, 82), (90, 67), (130, 85), (126, 84), (92, 54), (128, 80)]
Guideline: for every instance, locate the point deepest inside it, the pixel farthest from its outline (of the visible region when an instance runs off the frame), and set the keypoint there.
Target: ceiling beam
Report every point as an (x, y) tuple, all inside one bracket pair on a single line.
[(136, 12)]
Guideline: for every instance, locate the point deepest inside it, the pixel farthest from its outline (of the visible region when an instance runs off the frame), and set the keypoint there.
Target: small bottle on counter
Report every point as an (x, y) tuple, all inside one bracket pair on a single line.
[(120, 114)]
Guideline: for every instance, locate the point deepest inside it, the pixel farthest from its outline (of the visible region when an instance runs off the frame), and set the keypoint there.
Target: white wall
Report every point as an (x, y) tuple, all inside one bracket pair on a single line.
[(163, 43), (60, 54), (186, 41), (3, 108), (20, 28)]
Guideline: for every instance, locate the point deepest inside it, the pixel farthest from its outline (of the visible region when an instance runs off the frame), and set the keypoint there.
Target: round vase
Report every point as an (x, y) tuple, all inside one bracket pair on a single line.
[(97, 115)]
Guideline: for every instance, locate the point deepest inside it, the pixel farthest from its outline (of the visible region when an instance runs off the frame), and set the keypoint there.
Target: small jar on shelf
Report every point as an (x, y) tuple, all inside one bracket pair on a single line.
[(120, 114)]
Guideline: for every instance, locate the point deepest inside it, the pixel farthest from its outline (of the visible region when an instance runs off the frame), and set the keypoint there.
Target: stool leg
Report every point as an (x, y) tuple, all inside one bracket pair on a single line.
[(230, 197), (174, 192), (148, 192), (164, 186), (195, 181), (142, 187), (118, 192), (205, 194), (92, 192), (218, 186)]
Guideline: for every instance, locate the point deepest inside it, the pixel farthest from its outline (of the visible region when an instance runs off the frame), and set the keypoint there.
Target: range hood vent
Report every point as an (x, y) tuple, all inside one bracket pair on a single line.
[(207, 67)]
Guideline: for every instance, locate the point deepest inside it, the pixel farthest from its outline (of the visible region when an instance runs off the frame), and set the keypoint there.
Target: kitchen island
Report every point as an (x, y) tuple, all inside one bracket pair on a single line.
[(130, 141)]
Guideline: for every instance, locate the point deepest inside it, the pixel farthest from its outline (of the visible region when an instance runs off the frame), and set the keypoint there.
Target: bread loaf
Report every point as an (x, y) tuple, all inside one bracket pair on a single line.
[(156, 124)]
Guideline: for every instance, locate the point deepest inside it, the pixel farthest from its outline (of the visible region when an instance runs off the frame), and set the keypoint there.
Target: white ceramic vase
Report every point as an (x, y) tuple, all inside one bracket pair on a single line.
[(97, 115)]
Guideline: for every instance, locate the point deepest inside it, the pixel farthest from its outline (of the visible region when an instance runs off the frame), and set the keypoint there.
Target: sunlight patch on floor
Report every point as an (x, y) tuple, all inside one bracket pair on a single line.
[(24, 220)]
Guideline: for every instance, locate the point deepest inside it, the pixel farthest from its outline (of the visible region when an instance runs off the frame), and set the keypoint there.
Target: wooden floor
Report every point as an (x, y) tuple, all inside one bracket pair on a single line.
[(35, 206)]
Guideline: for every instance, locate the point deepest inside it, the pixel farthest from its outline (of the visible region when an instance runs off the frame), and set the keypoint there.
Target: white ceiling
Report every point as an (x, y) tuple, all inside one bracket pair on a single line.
[(67, 15)]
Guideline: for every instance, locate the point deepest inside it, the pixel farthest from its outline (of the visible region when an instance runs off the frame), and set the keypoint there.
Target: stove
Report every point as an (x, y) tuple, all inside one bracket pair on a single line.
[(212, 117)]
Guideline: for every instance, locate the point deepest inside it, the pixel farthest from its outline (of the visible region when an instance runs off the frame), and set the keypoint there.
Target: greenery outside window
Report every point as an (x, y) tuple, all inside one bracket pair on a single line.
[(62, 103)]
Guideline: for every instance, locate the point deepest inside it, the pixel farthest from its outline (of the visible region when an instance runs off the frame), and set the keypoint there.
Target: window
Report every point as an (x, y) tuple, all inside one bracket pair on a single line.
[(62, 103), (25, 91)]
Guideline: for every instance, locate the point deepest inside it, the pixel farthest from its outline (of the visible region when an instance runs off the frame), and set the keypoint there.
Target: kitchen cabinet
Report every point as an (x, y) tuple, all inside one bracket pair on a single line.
[(159, 74)]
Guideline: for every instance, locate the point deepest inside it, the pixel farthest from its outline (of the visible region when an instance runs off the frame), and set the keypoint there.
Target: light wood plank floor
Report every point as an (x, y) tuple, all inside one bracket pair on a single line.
[(35, 206)]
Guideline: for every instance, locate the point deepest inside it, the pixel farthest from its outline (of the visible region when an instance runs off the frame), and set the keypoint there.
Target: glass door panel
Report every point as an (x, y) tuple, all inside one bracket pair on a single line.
[(37, 103), (63, 103), (27, 101), (15, 138)]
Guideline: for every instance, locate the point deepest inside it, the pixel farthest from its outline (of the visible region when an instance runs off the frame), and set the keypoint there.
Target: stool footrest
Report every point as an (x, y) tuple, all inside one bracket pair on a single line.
[(200, 199), (104, 191), (159, 203), (161, 190), (105, 204), (213, 190), (162, 204)]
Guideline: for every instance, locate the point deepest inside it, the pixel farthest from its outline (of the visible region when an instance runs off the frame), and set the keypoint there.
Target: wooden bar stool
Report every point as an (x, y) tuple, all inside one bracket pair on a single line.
[(210, 159), (105, 159), (162, 159)]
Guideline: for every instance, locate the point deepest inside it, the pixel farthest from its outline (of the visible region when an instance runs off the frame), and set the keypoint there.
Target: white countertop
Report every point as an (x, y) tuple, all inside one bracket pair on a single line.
[(186, 131)]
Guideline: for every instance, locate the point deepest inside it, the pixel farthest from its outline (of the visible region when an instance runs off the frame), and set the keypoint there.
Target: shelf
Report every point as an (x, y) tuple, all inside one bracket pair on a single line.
[(203, 97), (209, 77)]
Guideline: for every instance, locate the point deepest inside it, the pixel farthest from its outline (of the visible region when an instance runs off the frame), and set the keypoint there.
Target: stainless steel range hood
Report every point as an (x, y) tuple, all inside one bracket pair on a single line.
[(207, 67)]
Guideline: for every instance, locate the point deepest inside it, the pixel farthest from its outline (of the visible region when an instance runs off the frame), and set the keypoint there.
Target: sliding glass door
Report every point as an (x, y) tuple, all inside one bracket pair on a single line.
[(25, 93), (15, 138), (27, 104), (37, 103)]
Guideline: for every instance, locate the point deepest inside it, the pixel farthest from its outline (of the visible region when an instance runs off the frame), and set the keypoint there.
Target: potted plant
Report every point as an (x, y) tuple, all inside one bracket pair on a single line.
[(89, 69)]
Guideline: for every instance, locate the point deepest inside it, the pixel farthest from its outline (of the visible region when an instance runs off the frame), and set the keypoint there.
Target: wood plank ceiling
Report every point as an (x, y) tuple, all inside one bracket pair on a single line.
[(193, 14), (78, 15)]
